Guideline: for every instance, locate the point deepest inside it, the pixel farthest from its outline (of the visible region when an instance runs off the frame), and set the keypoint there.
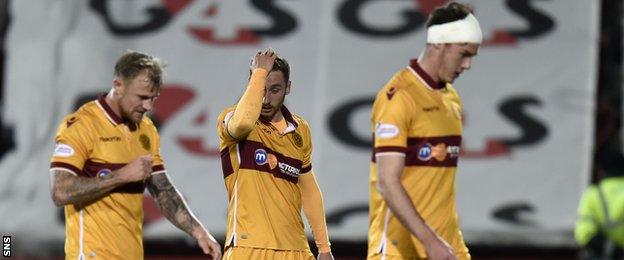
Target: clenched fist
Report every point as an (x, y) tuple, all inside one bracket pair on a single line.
[(138, 169)]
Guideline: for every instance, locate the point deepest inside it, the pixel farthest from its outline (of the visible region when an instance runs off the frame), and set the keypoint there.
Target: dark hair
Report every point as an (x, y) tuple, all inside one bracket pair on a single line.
[(280, 64), (132, 63), (453, 11)]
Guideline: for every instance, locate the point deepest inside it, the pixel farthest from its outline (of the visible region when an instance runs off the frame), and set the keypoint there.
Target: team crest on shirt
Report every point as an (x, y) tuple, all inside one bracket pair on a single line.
[(145, 142), (297, 138)]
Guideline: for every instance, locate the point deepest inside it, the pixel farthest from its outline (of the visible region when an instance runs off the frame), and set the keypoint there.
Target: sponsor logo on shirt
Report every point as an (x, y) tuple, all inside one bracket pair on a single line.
[(267, 130), (110, 139), (103, 172), (260, 156), (289, 170), (63, 150), (431, 109), (384, 131), (439, 151), (272, 160), (424, 153), (71, 121), (453, 150), (390, 92)]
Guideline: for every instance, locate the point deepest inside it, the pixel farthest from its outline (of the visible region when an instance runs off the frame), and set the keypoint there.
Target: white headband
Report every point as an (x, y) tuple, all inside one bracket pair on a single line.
[(466, 30)]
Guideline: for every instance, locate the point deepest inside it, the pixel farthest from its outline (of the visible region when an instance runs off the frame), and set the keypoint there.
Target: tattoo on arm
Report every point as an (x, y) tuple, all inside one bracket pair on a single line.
[(171, 203), (77, 190)]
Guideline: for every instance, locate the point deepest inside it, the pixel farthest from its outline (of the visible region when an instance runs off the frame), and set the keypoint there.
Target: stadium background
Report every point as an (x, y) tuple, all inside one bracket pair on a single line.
[(543, 95)]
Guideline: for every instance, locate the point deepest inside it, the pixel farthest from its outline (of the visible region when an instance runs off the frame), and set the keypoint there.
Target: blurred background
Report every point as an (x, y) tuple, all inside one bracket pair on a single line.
[(542, 104)]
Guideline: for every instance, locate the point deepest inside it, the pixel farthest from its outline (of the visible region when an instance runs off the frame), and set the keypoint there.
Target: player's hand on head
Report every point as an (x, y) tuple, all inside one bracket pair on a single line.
[(138, 169), (264, 59)]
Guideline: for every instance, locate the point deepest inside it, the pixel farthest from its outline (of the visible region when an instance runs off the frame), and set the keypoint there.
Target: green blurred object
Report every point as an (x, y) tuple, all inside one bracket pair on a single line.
[(599, 227)]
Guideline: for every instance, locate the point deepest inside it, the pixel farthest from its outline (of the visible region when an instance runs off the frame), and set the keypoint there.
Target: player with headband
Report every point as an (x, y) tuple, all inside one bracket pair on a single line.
[(417, 128)]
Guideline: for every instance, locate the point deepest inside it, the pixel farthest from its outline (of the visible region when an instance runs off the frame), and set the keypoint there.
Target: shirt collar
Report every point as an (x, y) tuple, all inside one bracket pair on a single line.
[(290, 120), (108, 111), (424, 76)]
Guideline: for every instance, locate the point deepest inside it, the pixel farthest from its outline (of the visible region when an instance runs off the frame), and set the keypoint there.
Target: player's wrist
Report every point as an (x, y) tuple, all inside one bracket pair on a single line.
[(258, 79), (200, 233), (429, 238), (260, 72), (117, 177), (325, 248)]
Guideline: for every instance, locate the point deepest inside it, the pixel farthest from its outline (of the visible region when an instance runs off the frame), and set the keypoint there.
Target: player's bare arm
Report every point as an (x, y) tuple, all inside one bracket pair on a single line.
[(174, 208), (71, 189), (390, 168), (171, 203)]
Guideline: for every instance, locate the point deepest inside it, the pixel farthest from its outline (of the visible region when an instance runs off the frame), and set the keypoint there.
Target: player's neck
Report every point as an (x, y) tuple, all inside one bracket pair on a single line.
[(277, 117), (112, 103), (280, 124), (430, 65)]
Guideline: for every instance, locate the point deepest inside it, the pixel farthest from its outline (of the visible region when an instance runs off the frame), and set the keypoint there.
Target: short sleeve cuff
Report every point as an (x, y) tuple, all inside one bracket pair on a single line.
[(65, 167), (390, 149), (156, 169), (306, 169)]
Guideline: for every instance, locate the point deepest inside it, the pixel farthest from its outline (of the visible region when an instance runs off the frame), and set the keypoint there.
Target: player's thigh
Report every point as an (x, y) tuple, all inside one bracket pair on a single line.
[(243, 253)]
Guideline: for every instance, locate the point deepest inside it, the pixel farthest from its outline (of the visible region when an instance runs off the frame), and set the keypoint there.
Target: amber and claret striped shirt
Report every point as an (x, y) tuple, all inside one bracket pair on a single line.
[(415, 117), (92, 142), (261, 174)]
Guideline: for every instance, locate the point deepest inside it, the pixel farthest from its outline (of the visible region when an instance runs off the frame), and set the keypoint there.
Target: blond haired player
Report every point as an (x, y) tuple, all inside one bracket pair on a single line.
[(416, 121), (266, 159), (106, 153)]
